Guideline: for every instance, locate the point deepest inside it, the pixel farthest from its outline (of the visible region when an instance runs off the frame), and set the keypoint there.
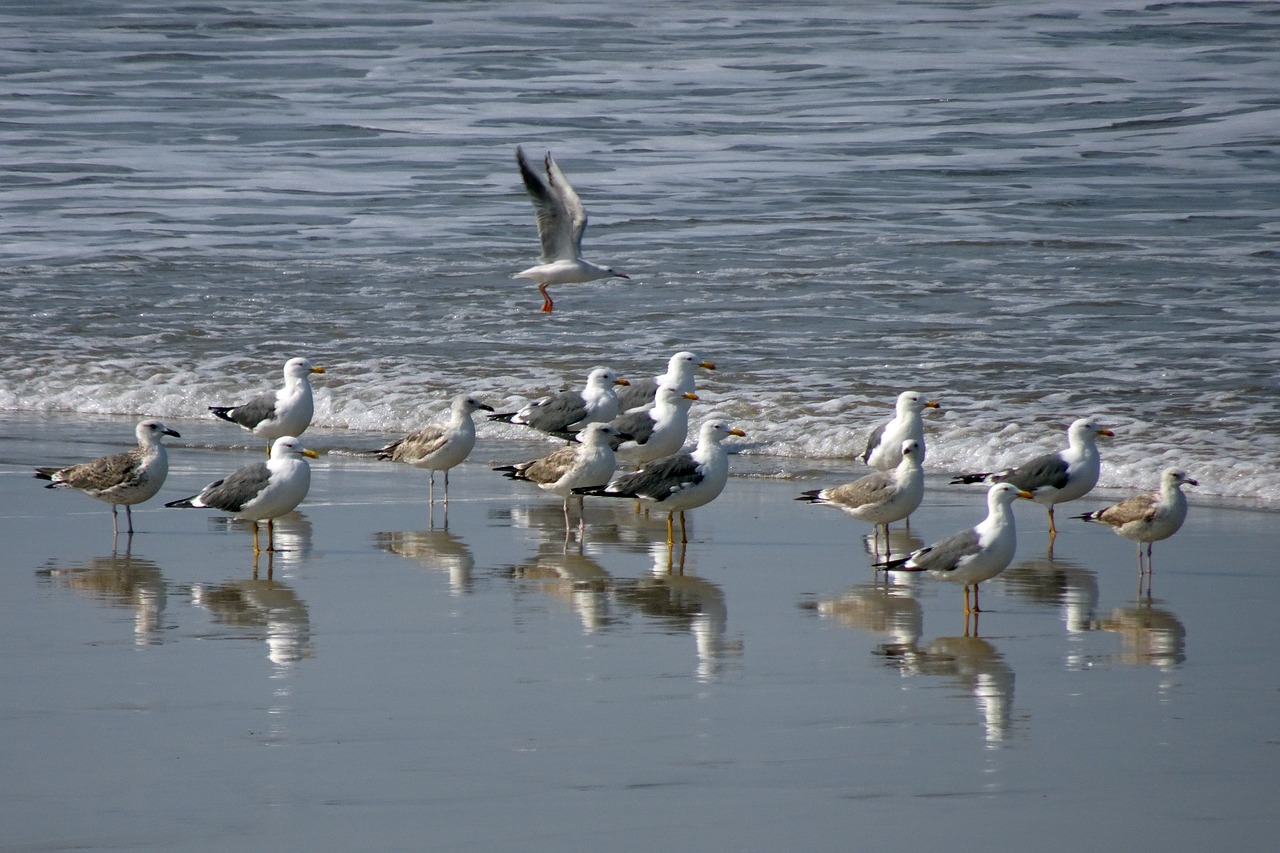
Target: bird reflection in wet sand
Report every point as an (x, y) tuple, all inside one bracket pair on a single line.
[(1151, 636), (434, 549), (883, 607), (568, 572), (268, 609), (292, 535), (684, 602), (120, 580), (974, 665), (1053, 582)]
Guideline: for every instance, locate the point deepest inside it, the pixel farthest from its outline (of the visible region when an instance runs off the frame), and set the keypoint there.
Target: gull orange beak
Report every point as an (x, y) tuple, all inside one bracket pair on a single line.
[(739, 433), (317, 370), (310, 454), (932, 405), (1106, 432), (621, 382), (708, 365), (690, 396)]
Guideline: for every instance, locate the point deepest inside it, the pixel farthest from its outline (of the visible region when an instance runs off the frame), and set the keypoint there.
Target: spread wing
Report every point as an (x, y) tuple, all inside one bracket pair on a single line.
[(561, 219)]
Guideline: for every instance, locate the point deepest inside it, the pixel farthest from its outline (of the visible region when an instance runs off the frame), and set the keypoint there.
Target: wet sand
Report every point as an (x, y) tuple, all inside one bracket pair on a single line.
[(391, 683)]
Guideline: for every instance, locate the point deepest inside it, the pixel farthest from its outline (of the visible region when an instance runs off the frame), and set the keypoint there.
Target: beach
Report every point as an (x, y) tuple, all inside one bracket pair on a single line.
[(392, 684)]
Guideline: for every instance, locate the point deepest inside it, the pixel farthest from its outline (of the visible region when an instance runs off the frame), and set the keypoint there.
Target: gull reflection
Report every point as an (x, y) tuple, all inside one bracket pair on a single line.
[(900, 544), (439, 550), (1055, 582), (270, 609), (1149, 635), (684, 602), (292, 535), (978, 668), (566, 571), (120, 580), (885, 607)]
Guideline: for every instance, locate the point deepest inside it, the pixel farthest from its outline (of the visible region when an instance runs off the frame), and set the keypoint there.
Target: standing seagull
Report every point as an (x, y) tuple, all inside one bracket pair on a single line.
[(658, 431), (681, 481), (439, 446), (122, 478), (561, 221), (974, 555), (286, 412), (1151, 517), (884, 445), (566, 412), (264, 490), (880, 497), (590, 463), (1055, 478), (679, 374)]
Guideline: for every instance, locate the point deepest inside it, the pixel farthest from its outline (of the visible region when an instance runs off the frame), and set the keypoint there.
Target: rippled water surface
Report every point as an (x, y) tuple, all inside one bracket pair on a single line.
[(1030, 211)]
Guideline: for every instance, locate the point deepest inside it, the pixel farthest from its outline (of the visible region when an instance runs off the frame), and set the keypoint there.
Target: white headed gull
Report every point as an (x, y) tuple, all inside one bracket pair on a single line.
[(1055, 478), (561, 221), (566, 412), (679, 374), (262, 491), (656, 431), (884, 445), (276, 414), (439, 446), (974, 555), (681, 481), (122, 478)]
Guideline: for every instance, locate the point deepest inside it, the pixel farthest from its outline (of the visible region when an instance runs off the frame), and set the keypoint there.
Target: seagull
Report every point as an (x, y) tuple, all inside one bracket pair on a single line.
[(122, 478), (679, 374), (567, 412), (1151, 517), (1055, 478), (439, 446), (264, 490), (884, 446), (880, 497), (561, 221), (974, 555), (590, 463), (286, 412), (681, 481), (658, 431)]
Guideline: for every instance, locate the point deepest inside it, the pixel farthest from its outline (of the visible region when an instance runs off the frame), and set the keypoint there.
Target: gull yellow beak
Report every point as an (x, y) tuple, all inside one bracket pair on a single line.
[(310, 454), (690, 396), (739, 433), (1026, 496), (621, 382), (317, 370), (708, 365), (932, 405)]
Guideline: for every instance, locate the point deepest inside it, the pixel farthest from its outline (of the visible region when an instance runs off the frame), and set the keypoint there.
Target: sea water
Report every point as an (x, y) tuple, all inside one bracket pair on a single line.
[(1030, 212)]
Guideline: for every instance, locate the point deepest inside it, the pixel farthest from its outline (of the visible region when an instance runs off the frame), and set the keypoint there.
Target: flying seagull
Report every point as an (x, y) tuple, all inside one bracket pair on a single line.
[(561, 221)]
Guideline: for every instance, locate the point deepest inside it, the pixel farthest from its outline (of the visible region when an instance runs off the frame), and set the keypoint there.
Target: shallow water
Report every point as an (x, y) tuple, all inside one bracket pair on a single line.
[(389, 683), (1029, 211)]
